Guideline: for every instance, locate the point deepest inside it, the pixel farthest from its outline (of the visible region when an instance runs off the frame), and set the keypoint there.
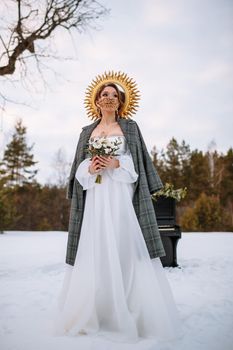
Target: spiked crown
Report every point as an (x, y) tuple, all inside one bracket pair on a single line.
[(121, 79)]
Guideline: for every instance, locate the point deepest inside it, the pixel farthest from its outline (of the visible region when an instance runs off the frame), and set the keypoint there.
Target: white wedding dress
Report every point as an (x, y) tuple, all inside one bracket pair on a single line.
[(114, 289)]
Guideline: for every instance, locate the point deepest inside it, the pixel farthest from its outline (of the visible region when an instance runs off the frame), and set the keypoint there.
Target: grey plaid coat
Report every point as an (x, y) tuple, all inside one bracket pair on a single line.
[(147, 183)]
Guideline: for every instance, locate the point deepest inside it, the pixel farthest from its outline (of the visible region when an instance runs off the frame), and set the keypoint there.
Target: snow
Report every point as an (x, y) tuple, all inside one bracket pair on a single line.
[(31, 272)]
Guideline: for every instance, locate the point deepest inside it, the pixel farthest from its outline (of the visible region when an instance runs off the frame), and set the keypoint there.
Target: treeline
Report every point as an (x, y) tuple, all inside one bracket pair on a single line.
[(208, 176), (24, 203), (33, 207)]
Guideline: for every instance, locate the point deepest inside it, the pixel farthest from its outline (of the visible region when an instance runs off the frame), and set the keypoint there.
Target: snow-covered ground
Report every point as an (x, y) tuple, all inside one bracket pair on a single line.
[(31, 272)]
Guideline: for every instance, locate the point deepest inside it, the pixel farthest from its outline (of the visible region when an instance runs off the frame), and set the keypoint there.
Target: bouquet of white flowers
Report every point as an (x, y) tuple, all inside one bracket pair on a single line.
[(101, 146)]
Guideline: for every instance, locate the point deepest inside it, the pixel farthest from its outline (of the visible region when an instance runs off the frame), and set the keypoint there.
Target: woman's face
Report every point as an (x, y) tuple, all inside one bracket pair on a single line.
[(108, 101)]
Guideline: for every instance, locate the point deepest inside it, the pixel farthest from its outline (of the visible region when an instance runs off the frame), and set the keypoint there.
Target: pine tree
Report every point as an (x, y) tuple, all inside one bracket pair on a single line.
[(184, 158), (173, 164), (206, 215), (226, 183), (18, 159), (199, 175)]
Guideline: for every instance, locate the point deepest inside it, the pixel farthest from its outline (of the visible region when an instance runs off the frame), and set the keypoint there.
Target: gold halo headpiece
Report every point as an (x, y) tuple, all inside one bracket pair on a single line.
[(120, 79)]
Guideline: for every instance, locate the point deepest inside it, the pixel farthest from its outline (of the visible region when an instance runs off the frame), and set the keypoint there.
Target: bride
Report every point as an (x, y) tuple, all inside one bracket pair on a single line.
[(114, 284)]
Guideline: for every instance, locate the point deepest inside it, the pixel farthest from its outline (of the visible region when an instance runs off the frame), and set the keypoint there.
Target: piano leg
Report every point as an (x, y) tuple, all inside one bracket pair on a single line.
[(170, 246), (175, 241)]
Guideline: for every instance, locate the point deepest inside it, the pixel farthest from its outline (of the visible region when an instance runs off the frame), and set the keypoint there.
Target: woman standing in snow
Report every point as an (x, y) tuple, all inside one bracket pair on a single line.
[(114, 284)]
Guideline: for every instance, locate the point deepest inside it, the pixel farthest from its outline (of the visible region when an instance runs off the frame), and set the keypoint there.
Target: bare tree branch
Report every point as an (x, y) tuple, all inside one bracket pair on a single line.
[(67, 14), (24, 24)]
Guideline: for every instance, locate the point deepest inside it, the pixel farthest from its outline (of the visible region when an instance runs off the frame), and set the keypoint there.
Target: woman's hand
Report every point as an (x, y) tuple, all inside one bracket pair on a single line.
[(95, 166), (109, 162)]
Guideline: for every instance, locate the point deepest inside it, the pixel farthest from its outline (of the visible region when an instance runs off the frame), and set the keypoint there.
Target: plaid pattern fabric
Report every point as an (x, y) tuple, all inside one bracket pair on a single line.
[(147, 183)]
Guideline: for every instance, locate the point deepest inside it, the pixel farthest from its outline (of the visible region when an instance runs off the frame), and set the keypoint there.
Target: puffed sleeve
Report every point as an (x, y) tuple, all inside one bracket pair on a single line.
[(126, 171), (86, 179)]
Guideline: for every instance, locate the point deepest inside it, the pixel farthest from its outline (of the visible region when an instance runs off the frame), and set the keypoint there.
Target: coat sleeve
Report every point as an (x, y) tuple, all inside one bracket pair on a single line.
[(153, 179), (71, 179)]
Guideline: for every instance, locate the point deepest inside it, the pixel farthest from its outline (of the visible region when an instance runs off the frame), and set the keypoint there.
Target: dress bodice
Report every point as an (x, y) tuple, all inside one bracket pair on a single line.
[(123, 147)]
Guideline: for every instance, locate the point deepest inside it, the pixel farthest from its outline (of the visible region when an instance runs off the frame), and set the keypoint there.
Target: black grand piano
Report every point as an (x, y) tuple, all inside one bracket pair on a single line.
[(165, 210)]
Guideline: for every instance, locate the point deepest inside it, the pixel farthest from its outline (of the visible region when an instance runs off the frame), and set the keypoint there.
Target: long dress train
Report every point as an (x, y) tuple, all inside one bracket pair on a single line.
[(114, 289)]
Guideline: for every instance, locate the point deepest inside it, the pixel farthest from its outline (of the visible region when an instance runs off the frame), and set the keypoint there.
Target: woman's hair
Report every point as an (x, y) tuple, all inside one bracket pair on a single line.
[(121, 95)]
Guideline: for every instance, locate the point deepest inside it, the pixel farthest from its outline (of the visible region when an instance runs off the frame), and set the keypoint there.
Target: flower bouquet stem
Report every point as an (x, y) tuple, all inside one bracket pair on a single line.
[(98, 179)]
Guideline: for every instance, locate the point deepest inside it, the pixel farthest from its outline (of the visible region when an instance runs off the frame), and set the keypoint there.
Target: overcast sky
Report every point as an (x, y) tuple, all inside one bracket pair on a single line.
[(180, 53)]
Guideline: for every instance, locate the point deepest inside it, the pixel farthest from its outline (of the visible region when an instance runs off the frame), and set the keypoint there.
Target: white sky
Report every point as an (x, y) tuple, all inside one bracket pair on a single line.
[(179, 52)]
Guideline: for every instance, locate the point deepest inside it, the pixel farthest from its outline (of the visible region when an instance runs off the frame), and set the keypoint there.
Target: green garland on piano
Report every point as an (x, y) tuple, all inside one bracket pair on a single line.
[(169, 191)]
